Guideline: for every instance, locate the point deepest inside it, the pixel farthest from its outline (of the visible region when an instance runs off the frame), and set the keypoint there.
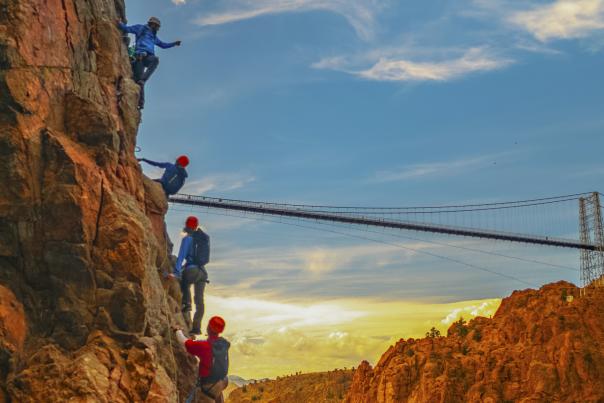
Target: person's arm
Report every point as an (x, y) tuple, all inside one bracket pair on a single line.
[(196, 347), (185, 245), (163, 165), (133, 29), (182, 339), (165, 45)]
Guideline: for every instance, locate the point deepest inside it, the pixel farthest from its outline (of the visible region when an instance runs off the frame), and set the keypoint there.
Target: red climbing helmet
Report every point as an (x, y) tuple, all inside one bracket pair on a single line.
[(216, 324), (192, 222), (183, 161)]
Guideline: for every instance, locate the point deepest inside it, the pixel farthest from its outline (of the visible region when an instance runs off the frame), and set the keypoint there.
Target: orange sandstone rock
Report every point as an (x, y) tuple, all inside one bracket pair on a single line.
[(82, 244), (538, 347)]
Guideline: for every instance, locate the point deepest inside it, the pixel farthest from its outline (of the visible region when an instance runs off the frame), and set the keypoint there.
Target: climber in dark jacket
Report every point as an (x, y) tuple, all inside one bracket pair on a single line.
[(174, 175), (145, 61)]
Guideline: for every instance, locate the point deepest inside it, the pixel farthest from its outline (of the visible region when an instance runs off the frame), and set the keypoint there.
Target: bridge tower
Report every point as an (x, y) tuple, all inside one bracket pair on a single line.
[(592, 232)]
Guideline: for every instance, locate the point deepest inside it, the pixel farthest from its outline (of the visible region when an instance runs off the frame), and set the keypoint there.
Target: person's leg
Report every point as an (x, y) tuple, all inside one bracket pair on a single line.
[(185, 288), (138, 68), (200, 286), (151, 63), (222, 385), (212, 392)]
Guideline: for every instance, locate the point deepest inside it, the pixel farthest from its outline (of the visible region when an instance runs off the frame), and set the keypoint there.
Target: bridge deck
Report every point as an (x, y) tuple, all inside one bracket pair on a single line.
[(300, 212)]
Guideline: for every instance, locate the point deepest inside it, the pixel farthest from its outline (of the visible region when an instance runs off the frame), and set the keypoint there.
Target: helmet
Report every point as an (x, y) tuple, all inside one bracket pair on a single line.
[(192, 222), (183, 161), (154, 20), (216, 324)]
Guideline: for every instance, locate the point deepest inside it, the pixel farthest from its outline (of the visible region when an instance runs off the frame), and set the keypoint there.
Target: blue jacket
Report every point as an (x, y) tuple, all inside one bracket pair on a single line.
[(146, 39), (173, 178)]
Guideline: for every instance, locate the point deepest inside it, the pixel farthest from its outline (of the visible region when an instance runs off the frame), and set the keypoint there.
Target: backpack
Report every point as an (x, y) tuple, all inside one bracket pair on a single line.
[(174, 179), (200, 249), (220, 360)]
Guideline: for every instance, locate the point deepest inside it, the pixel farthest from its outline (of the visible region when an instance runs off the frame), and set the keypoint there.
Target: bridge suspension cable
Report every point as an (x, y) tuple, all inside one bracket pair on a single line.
[(373, 216)]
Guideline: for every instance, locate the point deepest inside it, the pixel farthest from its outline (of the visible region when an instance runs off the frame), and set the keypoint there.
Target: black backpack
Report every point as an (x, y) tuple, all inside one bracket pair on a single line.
[(220, 360), (200, 250)]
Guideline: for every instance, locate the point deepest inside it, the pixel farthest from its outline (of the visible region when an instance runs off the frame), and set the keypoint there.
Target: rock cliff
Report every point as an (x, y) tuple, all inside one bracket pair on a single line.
[(321, 387), (541, 346), (84, 315)]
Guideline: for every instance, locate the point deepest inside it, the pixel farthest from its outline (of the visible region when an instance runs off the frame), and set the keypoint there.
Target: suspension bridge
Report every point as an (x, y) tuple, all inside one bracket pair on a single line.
[(568, 221)]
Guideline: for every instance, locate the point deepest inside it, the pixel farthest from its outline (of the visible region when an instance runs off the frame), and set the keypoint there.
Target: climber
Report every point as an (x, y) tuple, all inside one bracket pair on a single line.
[(213, 355), (145, 61), (174, 176), (195, 252)]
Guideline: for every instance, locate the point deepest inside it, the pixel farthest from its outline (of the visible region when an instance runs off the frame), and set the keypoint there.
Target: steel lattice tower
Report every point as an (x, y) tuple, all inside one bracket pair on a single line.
[(592, 232)]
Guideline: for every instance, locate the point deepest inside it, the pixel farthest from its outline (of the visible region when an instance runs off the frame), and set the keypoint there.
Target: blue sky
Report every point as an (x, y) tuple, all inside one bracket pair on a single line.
[(367, 102)]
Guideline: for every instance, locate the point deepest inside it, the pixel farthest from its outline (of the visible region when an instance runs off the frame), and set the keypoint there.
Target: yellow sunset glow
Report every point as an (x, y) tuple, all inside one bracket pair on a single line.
[(272, 338)]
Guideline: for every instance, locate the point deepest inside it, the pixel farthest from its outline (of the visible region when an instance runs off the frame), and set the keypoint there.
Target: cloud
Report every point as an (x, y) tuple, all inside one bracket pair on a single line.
[(270, 338), (360, 14), (472, 61), (563, 19), (314, 262), (220, 182), (432, 169), (486, 308)]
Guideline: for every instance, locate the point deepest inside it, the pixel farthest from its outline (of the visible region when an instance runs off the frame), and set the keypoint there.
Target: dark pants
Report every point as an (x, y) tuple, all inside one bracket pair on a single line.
[(196, 277), (143, 67)]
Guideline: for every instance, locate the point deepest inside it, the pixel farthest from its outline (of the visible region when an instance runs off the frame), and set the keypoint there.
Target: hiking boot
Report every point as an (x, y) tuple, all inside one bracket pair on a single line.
[(194, 333)]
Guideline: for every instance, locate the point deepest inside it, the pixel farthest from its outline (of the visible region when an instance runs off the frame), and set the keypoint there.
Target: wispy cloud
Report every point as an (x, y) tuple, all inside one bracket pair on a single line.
[(220, 182), (563, 19), (473, 60), (360, 14), (434, 169)]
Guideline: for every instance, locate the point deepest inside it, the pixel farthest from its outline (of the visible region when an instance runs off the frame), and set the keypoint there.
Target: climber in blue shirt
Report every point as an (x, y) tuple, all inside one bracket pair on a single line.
[(190, 270), (145, 62), (174, 175)]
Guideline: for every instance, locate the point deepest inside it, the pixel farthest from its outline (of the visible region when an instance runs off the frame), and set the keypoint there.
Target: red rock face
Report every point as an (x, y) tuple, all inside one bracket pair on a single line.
[(539, 347), (81, 231), (13, 326)]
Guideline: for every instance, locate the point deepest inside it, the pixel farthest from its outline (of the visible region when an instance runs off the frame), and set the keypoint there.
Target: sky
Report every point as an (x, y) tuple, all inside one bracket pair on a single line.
[(371, 103)]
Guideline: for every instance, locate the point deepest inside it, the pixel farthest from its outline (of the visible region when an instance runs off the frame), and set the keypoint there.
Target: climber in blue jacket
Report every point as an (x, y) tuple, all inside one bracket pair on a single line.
[(174, 175), (145, 62)]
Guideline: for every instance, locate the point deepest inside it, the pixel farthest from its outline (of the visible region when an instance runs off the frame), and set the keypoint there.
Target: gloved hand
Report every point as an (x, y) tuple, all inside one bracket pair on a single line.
[(178, 43), (139, 159)]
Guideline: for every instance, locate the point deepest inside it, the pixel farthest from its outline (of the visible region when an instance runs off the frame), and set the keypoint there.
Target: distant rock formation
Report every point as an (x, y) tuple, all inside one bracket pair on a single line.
[(322, 387), (540, 346), (83, 311)]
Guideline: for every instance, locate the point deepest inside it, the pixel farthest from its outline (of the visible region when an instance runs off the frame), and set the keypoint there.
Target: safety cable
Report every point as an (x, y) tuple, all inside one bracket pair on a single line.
[(553, 198)]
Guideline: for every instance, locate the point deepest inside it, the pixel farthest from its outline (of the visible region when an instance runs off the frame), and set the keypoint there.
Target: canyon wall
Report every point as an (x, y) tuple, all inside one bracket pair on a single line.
[(84, 311), (542, 345)]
